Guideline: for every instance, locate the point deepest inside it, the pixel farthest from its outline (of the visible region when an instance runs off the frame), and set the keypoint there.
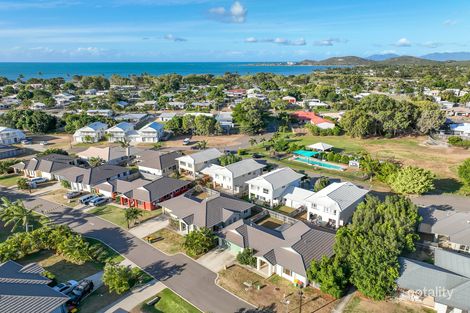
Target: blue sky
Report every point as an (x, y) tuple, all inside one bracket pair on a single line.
[(220, 30)]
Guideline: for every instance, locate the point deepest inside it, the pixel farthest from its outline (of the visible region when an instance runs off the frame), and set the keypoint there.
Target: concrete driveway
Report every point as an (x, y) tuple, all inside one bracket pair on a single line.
[(217, 259), (185, 276), (150, 226)]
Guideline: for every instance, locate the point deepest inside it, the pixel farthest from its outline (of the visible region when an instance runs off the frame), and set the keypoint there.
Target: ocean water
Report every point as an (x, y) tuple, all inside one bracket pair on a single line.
[(67, 70)]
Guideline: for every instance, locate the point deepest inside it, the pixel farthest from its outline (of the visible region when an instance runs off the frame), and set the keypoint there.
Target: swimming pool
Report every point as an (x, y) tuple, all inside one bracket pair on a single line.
[(319, 163)]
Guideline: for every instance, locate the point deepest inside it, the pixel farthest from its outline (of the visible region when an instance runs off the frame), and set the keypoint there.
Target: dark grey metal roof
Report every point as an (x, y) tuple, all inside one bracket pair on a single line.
[(157, 189), (47, 163), (458, 263), (157, 159), (23, 290), (91, 176)]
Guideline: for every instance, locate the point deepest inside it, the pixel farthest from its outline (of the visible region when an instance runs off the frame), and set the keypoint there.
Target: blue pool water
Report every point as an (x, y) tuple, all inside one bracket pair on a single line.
[(67, 70), (320, 164)]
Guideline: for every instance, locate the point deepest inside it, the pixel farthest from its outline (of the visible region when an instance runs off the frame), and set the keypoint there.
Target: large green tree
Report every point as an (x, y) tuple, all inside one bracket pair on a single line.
[(199, 241), (117, 278), (16, 214), (251, 115), (412, 180), (464, 172)]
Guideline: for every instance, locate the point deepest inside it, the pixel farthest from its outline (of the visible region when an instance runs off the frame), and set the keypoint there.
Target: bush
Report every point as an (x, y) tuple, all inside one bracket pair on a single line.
[(199, 242), (246, 257), (117, 278), (65, 184)]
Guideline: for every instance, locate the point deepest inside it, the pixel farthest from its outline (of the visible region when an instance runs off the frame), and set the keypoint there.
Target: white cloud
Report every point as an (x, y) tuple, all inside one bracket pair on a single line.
[(235, 14), (432, 44), (278, 40), (450, 22), (329, 42), (171, 37), (403, 42)]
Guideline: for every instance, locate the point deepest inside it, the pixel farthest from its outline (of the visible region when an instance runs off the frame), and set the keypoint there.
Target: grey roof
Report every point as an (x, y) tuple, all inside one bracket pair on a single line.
[(244, 167), (203, 156), (158, 160), (23, 289), (344, 194), (455, 225), (417, 275), (91, 176), (121, 186), (458, 263), (294, 247), (157, 189), (48, 163), (278, 178), (208, 212)]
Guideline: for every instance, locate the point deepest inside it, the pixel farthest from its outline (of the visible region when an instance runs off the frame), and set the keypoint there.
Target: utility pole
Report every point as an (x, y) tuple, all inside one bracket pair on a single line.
[(300, 299)]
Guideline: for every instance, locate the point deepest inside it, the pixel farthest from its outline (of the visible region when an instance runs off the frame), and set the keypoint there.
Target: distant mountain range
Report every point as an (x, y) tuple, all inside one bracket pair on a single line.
[(394, 59)]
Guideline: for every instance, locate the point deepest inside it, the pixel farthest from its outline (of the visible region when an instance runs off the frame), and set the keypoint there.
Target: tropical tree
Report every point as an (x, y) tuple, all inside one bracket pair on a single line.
[(201, 145), (412, 180), (95, 161), (16, 214), (88, 138), (126, 144), (23, 184), (251, 114), (246, 257), (229, 158), (117, 277), (464, 172), (321, 183), (131, 215), (199, 241), (330, 274), (253, 141)]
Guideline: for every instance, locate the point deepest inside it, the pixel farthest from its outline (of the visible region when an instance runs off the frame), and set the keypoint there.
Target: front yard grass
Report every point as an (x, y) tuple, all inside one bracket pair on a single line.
[(97, 300), (169, 302), (358, 304), (168, 241), (272, 292), (9, 180), (62, 270), (57, 196), (284, 209), (115, 214)]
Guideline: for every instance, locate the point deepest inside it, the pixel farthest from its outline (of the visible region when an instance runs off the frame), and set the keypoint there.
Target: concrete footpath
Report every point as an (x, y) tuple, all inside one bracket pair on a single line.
[(135, 297)]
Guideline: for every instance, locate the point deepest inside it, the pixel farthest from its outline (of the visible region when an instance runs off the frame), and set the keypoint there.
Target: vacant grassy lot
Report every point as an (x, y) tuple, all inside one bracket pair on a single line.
[(115, 214), (9, 180), (57, 196), (59, 267), (170, 302), (361, 305), (99, 299), (168, 241), (272, 292)]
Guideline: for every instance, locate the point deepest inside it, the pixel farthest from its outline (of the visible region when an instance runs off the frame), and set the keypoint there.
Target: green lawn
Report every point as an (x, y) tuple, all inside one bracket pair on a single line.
[(62, 270), (169, 241), (9, 180), (115, 257), (99, 299), (170, 302), (115, 214)]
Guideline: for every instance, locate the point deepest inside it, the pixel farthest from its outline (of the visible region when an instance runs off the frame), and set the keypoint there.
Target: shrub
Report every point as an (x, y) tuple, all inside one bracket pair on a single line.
[(246, 257)]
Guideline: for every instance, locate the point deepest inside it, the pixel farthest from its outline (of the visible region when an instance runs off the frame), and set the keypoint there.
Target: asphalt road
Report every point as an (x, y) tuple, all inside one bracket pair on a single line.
[(188, 278)]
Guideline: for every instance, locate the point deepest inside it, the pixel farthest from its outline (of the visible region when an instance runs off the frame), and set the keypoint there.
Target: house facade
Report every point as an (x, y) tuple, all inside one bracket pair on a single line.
[(119, 132), (233, 177), (192, 164), (93, 132), (155, 163), (45, 166), (270, 187), (10, 136)]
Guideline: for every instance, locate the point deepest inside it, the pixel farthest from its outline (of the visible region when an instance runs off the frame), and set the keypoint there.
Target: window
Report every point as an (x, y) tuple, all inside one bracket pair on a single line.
[(287, 271), (266, 191)]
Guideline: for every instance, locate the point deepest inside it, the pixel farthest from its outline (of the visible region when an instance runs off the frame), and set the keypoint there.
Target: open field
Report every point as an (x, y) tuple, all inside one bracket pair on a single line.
[(169, 302), (115, 214), (361, 305), (62, 270), (272, 292)]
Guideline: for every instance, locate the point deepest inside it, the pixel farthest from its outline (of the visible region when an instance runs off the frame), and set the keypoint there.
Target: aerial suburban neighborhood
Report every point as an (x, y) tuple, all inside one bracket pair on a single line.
[(340, 185)]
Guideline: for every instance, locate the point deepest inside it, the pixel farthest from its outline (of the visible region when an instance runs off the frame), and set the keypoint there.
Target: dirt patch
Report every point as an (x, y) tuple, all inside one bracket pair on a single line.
[(359, 304), (222, 142), (273, 291)]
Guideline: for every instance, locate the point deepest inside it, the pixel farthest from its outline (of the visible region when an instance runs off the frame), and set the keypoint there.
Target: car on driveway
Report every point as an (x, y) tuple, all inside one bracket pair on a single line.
[(186, 141), (86, 198), (80, 291), (38, 180), (72, 194), (66, 287), (98, 201)]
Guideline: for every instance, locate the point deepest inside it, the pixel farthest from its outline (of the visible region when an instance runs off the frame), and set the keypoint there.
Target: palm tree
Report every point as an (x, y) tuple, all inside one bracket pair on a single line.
[(95, 161), (253, 141), (202, 145), (132, 214), (17, 214), (126, 144)]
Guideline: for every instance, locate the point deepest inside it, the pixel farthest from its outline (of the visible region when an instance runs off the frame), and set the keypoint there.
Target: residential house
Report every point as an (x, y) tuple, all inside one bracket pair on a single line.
[(315, 103), (38, 106), (45, 166), (152, 132), (142, 193), (155, 163), (449, 229), (233, 177), (192, 164), (443, 286), (119, 132), (335, 204), (93, 132), (25, 289), (165, 116), (271, 187), (205, 208), (462, 130), (10, 136), (225, 120), (110, 155), (286, 251), (176, 105), (134, 118), (104, 112), (312, 118), (84, 179), (10, 151), (289, 99)]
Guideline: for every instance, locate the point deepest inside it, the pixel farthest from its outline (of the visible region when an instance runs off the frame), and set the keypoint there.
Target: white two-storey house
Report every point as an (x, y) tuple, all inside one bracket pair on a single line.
[(119, 132), (93, 132)]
